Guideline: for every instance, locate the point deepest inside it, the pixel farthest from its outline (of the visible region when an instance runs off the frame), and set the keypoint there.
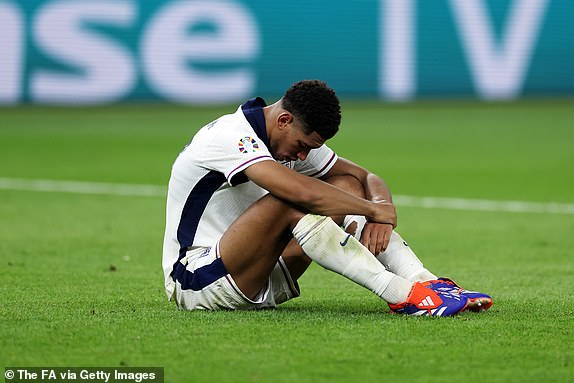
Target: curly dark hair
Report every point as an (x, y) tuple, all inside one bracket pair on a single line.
[(316, 105)]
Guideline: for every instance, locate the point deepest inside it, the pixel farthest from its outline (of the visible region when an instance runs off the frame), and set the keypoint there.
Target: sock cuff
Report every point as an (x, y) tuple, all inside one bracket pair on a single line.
[(308, 226)]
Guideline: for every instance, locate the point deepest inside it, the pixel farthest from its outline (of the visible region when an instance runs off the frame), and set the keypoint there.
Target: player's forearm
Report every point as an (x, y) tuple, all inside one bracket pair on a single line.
[(314, 195), (327, 200)]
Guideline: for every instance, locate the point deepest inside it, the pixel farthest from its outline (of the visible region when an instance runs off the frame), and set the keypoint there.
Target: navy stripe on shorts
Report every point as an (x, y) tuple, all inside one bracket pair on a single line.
[(201, 277)]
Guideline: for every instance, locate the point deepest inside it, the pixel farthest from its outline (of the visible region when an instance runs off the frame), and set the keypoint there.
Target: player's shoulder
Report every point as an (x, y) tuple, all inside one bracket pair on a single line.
[(233, 124)]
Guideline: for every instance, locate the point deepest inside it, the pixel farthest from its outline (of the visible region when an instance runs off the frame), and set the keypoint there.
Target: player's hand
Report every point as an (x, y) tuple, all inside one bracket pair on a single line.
[(385, 212), (376, 236)]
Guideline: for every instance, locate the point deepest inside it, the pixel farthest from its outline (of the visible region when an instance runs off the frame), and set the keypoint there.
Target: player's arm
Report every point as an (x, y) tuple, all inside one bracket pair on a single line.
[(375, 236), (315, 195)]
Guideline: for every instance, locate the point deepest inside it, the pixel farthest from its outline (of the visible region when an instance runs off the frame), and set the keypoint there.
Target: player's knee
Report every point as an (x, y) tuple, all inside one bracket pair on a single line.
[(284, 212), (348, 183)]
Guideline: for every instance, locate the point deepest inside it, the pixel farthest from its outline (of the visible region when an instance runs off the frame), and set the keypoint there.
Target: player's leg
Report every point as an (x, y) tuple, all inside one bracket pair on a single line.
[(393, 259), (293, 257), (253, 243), (398, 258)]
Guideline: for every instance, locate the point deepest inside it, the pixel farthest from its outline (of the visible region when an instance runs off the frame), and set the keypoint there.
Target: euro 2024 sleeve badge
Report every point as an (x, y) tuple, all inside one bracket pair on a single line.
[(248, 145)]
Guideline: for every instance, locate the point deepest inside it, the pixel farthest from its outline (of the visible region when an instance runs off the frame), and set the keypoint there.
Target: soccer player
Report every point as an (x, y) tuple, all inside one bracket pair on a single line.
[(257, 195)]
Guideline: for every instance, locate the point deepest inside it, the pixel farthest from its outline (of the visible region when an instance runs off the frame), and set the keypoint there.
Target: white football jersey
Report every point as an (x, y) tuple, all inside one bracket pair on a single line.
[(207, 188)]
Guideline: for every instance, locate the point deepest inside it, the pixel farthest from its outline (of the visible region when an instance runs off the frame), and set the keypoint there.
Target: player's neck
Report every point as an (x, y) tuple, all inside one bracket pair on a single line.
[(271, 112)]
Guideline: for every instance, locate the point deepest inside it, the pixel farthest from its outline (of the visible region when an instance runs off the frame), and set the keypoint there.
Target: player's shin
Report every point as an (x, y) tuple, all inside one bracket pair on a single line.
[(398, 256), (328, 245)]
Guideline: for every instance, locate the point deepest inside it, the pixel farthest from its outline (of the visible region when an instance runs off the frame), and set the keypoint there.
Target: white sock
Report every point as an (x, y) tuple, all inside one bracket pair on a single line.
[(328, 245), (398, 258)]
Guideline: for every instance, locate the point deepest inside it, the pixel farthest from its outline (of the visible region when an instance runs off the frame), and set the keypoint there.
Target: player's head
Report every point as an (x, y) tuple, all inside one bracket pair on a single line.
[(315, 105)]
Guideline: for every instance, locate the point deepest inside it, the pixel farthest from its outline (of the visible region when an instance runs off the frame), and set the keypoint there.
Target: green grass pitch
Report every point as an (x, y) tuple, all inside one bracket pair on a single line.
[(81, 281)]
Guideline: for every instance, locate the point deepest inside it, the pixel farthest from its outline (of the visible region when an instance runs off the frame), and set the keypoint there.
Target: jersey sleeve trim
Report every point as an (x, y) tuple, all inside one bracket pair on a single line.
[(245, 165), (326, 167)]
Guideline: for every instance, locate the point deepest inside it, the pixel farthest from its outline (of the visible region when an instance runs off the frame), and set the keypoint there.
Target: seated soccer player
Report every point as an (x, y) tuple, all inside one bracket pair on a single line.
[(257, 195)]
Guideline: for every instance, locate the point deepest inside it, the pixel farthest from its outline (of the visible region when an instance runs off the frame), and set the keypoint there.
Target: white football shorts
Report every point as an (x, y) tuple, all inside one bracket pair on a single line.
[(206, 285)]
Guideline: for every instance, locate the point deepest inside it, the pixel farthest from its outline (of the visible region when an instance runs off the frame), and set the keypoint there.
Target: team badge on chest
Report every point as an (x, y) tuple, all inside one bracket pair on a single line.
[(248, 145)]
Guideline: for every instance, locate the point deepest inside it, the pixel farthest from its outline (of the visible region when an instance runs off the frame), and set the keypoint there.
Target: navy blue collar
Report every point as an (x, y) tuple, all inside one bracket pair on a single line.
[(253, 111)]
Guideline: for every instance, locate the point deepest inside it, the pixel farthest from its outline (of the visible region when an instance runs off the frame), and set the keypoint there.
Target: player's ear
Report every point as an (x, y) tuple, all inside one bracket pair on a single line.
[(284, 119)]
